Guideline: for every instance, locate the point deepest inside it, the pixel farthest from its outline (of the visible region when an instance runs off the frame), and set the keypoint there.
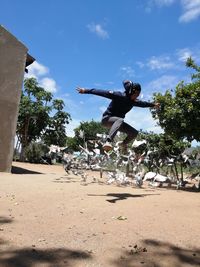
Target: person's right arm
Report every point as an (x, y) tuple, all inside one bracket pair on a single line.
[(99, 92)]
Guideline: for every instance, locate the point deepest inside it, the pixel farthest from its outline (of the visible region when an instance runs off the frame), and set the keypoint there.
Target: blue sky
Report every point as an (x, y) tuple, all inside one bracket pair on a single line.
[(99, 43)]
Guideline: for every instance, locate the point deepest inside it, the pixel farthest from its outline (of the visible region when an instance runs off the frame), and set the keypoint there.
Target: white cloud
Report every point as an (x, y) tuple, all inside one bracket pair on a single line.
[(172, 61), (39, 71), (140, 64), (127, 72), (159, 63), (158, 3), (183, 54), (163, 83), (36, 70), (191, 10), (98, 30), (48, 84)]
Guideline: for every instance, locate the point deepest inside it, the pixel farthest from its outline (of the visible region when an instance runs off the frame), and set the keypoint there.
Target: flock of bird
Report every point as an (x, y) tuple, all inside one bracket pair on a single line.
[(137, 174)]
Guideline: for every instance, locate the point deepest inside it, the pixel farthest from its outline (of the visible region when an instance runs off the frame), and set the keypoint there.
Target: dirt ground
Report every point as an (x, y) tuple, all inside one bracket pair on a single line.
[(50, 218)]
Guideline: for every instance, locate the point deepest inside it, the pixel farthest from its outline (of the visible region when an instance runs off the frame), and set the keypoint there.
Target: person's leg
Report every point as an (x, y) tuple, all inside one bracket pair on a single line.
[(114, 123), (131, 134), (117, 124), (129, 131)]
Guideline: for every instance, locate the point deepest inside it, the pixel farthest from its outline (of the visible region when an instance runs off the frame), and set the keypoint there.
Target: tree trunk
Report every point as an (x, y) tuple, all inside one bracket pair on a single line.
[(24, 140)]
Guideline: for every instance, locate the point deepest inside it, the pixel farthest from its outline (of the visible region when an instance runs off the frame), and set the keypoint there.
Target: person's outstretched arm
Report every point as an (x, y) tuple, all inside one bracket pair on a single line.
[(145, 104), (100, 92)]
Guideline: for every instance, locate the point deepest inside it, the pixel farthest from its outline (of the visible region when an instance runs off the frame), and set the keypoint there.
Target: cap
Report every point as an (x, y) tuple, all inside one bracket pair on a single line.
[(130, 87)]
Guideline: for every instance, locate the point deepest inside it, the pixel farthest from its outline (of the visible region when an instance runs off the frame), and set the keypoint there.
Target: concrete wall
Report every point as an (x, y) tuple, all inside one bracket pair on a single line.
[(13, 56)]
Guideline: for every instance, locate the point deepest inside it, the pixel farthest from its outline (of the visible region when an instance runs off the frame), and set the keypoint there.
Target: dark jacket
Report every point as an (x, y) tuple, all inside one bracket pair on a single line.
[(120, 104)]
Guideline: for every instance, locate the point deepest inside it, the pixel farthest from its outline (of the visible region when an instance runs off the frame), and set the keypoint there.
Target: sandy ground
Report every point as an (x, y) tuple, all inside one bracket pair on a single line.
[(49, 218)]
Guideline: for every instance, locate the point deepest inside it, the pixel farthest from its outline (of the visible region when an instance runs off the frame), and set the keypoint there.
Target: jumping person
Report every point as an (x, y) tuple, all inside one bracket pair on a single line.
[(121, 103)]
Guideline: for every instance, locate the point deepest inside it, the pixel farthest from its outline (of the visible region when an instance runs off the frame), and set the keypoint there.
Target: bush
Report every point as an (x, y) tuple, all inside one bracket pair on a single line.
[(35, 151)]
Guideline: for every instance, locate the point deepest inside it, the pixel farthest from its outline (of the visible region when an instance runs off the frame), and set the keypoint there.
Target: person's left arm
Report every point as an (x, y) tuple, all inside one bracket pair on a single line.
[(145, 104)]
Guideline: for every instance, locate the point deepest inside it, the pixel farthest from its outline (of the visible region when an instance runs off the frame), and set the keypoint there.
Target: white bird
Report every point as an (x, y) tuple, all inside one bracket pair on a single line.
[(149, 176), (119, 177), (161, 178), (138, 180), (84, 177), (138, 143), (156, 177)]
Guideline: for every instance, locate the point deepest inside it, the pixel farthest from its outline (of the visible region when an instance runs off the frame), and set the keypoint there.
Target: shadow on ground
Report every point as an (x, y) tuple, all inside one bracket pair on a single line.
[(5, 220), (28, 257), (66, 179), (18, 170), (155, 253), (122, 196)]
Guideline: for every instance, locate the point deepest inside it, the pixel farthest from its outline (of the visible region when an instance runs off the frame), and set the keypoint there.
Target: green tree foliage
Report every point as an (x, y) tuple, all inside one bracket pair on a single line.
[(179, 114), (164, 145), (89, 130), (33, 113), (35, 151), (55, 132), (85, 132), (34, 119)]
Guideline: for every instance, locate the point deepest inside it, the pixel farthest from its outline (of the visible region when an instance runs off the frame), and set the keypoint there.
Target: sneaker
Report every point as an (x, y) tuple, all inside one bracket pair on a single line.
[(107, 146)]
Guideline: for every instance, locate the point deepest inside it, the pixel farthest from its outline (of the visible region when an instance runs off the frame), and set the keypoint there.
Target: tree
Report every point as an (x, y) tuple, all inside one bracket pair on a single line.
[(84, 132), (55, 132), (179, 114), (33, 114), (35, 107), (164, 145), (72, 144)]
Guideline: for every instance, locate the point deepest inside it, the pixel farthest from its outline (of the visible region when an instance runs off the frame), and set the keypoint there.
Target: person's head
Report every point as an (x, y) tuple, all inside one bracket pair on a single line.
[(132, 89)]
